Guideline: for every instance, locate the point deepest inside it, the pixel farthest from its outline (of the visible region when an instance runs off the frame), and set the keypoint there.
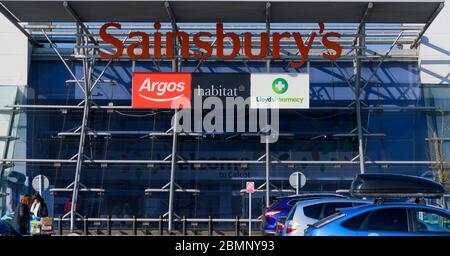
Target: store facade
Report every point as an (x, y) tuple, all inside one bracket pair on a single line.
[(127, 159)]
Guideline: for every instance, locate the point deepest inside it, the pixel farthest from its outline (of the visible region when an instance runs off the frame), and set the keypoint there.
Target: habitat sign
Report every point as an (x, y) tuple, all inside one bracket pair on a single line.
[(221, 85), (284, 91)]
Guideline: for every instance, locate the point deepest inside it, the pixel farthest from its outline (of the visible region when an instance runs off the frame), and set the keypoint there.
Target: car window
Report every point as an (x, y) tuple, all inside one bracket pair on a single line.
[(394, 220), (291, 213), (327, 219), (313, 211), (276, 205), (273, 204), (432, 221), (293, 202), (355, 222), (330, 208)]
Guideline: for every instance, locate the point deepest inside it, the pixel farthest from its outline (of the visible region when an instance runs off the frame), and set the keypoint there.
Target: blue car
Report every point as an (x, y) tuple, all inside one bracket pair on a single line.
[(390, 219), (281, 207)]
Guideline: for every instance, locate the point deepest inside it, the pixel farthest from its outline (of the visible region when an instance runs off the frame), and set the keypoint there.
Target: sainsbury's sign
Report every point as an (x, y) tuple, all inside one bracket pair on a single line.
[(266, 47)]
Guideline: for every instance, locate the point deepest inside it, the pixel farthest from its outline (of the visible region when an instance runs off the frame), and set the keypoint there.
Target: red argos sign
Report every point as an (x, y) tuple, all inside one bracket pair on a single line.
[(161, 90)]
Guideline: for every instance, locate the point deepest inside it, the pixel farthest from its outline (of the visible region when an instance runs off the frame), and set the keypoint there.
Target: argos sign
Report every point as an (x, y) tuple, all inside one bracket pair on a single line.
[(161, 90)]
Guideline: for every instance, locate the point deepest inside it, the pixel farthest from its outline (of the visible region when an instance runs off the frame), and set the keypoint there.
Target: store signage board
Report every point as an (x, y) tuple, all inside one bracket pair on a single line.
[(171, 90), (283, 91), (161, 90), (221, 85), (270, 44)]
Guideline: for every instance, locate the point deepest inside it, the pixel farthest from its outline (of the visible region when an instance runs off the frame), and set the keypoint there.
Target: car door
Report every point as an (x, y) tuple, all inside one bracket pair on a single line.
[(429, 222), (386, 222)]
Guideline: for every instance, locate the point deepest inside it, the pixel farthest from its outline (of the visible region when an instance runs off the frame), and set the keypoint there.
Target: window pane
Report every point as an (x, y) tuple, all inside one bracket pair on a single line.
[(429, 221), (355, 222), (313, 211), (291, 213), (293, 202), (389, 220)]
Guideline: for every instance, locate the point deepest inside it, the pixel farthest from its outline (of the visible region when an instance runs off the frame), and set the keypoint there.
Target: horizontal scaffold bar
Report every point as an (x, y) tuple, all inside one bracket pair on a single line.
[(112, 107), (68, 161), (229, 27)]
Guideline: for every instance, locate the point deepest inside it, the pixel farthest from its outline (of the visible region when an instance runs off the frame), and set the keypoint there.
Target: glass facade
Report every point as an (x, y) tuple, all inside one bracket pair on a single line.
[(391, 101)]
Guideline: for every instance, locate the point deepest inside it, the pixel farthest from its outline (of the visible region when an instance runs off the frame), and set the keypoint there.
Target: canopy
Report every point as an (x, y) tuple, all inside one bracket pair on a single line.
[(341, 11)]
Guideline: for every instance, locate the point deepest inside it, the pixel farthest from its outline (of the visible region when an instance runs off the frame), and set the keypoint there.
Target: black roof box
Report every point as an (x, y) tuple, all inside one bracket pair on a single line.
[(395, 185)]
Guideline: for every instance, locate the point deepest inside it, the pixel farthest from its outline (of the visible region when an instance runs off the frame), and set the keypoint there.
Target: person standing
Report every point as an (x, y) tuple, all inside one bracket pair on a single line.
[(22, 215), (39, 207), (68, 206)]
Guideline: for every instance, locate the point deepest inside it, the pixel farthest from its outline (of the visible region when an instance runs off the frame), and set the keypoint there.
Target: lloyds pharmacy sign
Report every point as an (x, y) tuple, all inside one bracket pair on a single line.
[(189, 90), (290, 91)]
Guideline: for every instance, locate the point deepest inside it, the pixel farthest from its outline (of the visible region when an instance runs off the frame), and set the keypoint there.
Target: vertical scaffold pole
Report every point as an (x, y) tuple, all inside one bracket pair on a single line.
[(175, 68), (267, 113), (357, 72), (76, 183)]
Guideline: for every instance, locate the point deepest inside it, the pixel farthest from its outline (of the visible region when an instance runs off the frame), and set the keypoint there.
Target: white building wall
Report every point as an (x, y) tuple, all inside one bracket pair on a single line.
[(14, 57), (435, 50), (14, 65)]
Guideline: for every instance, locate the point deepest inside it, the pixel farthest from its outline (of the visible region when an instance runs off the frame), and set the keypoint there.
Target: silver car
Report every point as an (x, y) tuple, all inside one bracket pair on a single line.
[(309, 212)]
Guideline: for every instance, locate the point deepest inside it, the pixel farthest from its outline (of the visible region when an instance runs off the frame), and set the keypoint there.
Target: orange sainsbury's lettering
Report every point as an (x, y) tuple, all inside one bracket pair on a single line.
[(268, 43), (332, 45), (112, 40), (203, 45), (143, 44), (234, 40), (263, 48)]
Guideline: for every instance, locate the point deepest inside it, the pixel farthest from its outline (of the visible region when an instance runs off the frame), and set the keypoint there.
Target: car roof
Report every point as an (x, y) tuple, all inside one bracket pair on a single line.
[(369, 207), (311, 195), (331, 200)]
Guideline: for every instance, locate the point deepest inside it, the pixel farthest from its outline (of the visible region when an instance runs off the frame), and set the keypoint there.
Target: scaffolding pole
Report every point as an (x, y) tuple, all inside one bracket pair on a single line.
[(237, 161), (361, 44), (175, 68), (80, 154), (112, 107), (267, 173), (172, 172), (358, 112), (268, 9)]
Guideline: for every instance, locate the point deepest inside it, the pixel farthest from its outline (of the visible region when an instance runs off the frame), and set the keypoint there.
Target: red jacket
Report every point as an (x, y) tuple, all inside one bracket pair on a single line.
[(68, 206)]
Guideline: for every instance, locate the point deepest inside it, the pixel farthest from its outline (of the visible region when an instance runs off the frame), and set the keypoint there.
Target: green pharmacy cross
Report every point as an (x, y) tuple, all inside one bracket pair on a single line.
[(279, 85)]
